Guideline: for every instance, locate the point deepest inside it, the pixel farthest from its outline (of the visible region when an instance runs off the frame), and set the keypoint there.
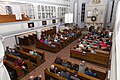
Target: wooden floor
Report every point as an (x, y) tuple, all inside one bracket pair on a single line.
[(50, 57)]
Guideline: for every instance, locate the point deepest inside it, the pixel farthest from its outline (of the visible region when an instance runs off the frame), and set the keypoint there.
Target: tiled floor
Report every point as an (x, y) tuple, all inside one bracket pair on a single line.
[(50, 57)]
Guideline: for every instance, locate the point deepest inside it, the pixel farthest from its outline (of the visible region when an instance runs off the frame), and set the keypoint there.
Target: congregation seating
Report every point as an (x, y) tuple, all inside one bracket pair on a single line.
[(32, 58), (50, 75), (55, 42), (54, 49), (40, 53), (81, 76), (75, 67), (18, 72), (97, 58), (19, 55), (91, 49), (29, 65)]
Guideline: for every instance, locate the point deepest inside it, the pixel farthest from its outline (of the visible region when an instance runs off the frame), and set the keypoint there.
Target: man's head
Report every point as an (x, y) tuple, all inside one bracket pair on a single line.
[(52, 67)]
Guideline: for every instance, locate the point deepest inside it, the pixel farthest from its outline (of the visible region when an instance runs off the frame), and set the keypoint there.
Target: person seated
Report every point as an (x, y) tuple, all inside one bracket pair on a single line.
[(84, 42), (8, 50), (41, 40), (11, 51), (58, 60), (53, 69), (78, 48), (35, 53), (86, 50), (82, 67), (69, 35), (31, 52), (46, 41), (64, 63), (49, 42), (109, 42), (65, 74), (88, 45), (61, 36), (81, 45), (93, 51), (71, 66), (39, 77), (107, 48), (21, 64), (74, 77), (89, 72), (104, 45), (58, 40), (73, 34), (55, 40)]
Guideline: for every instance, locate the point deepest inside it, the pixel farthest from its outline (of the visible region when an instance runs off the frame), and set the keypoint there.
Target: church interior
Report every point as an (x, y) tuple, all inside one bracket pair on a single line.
[(59, 39)]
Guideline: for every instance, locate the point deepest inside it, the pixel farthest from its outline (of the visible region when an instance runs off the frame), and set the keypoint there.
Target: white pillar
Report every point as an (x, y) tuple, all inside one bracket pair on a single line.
[(38, 34), (3, 70), (57, 28)]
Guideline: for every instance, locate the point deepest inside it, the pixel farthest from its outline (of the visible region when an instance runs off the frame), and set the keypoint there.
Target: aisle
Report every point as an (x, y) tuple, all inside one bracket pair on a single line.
[(50, 57)]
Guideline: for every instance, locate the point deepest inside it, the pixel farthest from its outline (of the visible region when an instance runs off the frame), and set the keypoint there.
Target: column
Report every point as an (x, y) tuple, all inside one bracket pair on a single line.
[(38, 32)]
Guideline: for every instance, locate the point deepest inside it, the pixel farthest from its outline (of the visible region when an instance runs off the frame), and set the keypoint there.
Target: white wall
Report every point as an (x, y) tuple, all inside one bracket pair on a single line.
[(88, 4), (9, 42), (15, 8), (10, 28)]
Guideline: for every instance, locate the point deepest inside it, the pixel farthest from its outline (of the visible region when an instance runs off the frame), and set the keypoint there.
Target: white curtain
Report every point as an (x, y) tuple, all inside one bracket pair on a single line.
[(4, 74)]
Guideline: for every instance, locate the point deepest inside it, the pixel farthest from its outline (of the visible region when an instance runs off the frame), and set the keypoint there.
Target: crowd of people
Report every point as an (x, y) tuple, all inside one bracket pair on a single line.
[(51, 39), (82, 67), (93, 41)]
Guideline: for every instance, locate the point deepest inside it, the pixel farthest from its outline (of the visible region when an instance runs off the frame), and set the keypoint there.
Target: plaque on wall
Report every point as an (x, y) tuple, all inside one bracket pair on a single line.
[(31, 24), (44, 23), (54, 21)]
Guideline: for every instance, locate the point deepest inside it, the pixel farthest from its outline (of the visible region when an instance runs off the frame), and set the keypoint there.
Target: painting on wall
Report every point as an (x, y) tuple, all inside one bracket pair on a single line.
[(44, 23), (31, 24)]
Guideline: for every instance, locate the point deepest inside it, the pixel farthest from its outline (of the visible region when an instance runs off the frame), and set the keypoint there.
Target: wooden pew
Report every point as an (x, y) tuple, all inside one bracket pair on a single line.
[(100, 75), (47, 47), (27, 41), (98, 51), (32, 58), (97, 58), (81, 76), (29, 65), (27, 49), (49, 75), (19, 71)]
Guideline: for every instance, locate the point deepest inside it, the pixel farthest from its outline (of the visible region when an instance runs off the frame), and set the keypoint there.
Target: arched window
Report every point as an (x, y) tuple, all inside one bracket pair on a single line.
[(83, 12)]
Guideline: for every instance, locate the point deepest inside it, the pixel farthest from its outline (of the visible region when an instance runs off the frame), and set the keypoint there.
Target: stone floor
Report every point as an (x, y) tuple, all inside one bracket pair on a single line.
[(50, 57)]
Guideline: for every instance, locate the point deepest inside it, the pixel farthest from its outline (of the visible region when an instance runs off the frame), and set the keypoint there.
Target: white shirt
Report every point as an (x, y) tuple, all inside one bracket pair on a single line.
[(81, 45)]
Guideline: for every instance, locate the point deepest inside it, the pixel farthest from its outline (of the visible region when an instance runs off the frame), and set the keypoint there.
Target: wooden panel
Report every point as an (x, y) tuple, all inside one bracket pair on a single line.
[(11, 18)]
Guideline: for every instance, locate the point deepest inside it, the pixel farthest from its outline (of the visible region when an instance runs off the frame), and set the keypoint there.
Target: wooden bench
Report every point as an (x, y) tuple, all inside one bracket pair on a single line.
[(81, 76), (100, 75), (97, 58), (27, 49), (11, 65), (49, 75), (32, 58), (29, 65), (44, 46)]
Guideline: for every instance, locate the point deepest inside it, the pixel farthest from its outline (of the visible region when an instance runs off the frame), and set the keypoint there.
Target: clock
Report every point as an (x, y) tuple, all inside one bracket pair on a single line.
[(93, 18)]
